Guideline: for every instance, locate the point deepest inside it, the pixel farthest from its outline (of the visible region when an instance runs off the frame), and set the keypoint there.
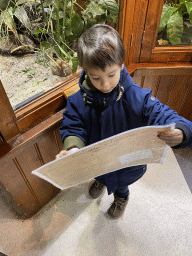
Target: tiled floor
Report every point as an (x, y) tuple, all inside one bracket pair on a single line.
[(157, 221)]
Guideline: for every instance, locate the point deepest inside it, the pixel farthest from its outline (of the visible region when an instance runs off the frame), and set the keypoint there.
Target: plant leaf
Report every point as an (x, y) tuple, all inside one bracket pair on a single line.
[(90, 23), (175, 28), (165, 16), (75, 63), (19, 2), (77, 25), (93, 9), (22, 16), (62, 50), (3, 4), (35, 83), (45, 44), (32, 72), (112, 7), (189, 10), (7, 17)]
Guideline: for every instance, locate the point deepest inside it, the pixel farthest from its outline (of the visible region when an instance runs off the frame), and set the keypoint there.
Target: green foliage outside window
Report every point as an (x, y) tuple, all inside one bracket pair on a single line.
[(54, 24), (176, 22)]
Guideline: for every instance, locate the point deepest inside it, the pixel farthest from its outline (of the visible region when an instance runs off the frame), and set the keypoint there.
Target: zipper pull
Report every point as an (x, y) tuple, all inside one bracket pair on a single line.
[(104, 103)]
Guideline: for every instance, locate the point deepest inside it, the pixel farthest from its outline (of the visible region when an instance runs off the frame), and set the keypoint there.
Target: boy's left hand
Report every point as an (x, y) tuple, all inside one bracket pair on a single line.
[(172, 138)]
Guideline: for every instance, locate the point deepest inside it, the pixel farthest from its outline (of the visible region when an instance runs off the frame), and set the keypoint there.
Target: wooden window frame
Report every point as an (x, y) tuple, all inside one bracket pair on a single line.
[(131, 28), (144, 33), (15, 123), (27, 116)]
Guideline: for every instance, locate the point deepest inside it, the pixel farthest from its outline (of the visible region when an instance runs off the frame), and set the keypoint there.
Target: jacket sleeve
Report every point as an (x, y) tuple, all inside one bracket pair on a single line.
[(73, 132), (156, 113)]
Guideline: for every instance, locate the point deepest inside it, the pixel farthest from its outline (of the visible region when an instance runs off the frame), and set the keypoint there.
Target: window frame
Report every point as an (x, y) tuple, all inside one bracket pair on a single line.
[(144, 34), (138, 49)]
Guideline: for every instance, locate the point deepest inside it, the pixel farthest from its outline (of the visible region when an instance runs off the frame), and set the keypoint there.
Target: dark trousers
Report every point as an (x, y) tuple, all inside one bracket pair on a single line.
[(121, 179)]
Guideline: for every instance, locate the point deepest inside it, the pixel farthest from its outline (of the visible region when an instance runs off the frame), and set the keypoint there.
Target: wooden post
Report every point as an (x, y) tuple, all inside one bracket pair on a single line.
[(8, 126)]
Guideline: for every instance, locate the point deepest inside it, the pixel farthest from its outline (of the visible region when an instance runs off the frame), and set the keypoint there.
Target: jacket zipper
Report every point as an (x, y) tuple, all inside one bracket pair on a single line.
[(104, 103)]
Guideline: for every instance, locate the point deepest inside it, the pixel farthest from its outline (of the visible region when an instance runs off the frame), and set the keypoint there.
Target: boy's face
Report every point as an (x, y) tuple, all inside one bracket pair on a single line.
[(105, 80)]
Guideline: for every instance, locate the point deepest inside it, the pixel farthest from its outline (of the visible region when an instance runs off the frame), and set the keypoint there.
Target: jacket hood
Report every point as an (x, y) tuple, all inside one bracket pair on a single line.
[(96, 97)]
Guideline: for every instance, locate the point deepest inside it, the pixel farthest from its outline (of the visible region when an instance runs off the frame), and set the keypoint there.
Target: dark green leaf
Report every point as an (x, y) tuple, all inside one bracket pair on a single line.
[(175, 28), (189, 10), (165, 16), (40, 31), (90, 22), (93, 9), (77, 25), (3, 4), (45, 44), (112, 7), (67, 30), (75, 63), (71, 38)]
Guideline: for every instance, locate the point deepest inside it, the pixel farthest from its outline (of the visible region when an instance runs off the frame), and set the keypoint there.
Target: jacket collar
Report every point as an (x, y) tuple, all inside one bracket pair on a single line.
[(95, 97)]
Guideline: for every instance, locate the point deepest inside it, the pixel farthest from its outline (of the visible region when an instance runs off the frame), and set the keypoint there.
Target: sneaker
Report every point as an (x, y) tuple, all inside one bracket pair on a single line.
[(96, 189), (118, 207)]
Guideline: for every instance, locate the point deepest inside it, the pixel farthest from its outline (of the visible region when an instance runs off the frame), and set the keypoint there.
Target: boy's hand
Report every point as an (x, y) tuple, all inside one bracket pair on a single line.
[(66, 152), (62, 153), (172, 138)]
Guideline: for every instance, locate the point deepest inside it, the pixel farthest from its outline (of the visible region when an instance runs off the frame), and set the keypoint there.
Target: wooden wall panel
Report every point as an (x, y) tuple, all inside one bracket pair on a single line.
[(30, 151), (172, 86), (58, 138), (48, 147), (29, 160), (179, 90), (165, 88), (152, 83), (139, 80), (8, 127), (186, 108), (15, 184)]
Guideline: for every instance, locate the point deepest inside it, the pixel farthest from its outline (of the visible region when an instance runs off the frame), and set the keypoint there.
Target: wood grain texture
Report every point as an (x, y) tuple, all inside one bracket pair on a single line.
[(172, 86), (8, 126), (151, 29), (71, 90), (186, 107), (31, 150), (127, 24), (138, 30), (41, 113), (15, 184), (171, 54)]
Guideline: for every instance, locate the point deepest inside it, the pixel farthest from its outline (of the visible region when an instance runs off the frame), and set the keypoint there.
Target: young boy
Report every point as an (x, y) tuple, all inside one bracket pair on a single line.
[(109, 103)]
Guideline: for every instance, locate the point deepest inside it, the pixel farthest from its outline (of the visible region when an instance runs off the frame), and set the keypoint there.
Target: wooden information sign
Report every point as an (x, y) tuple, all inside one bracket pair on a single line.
[(134, 147)]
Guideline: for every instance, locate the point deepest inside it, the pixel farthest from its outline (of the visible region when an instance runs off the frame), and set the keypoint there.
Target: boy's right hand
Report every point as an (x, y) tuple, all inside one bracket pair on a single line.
[(66, 152)]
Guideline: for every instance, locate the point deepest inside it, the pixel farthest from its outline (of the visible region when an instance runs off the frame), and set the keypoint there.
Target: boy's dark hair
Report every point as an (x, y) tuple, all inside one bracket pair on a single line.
[(100, 46)]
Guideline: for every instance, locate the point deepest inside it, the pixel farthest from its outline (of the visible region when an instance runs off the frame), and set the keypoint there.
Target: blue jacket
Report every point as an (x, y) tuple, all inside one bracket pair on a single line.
[(91, 116)]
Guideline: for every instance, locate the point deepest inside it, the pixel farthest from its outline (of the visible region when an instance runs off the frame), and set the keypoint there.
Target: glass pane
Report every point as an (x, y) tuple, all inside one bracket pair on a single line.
[(38, 41), (24, 77), (175, 26)]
